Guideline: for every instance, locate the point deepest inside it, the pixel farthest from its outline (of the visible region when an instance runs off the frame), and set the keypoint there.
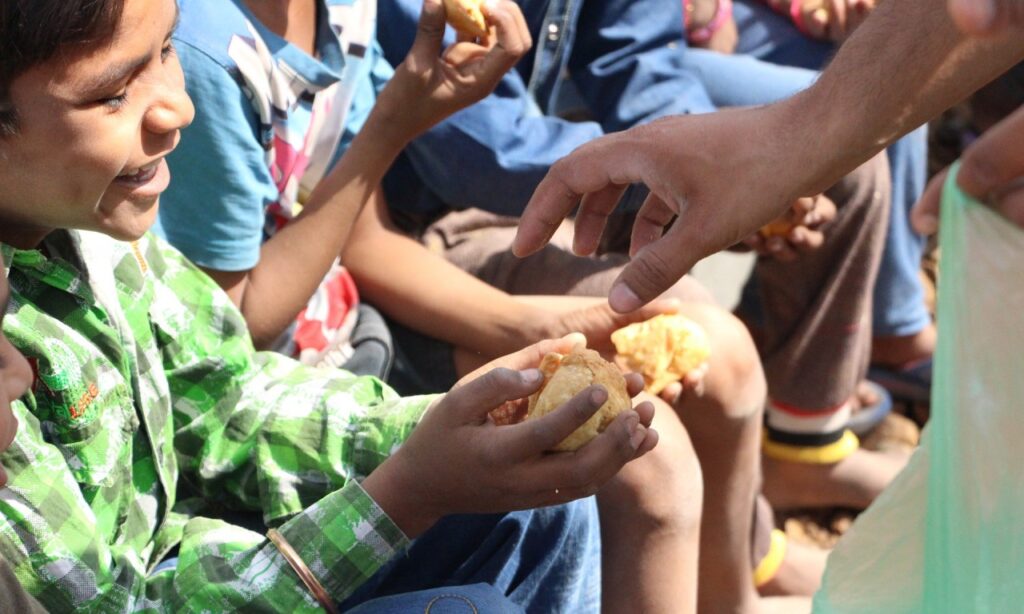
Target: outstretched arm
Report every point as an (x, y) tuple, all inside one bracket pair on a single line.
[(729, 173)]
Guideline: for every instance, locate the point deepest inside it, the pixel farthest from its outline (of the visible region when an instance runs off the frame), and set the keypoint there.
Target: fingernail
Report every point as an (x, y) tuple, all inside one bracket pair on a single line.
[(623, 300), (980, 13), (578, 340), (637, 436), (530, 376), (598, 396)]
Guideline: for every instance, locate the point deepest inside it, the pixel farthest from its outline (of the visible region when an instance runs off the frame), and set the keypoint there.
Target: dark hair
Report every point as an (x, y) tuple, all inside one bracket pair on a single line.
[(34, 31)]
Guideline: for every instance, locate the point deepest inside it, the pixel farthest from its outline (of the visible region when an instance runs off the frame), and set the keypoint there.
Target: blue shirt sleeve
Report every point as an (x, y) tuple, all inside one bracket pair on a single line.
[(491, 155), (214, 209)]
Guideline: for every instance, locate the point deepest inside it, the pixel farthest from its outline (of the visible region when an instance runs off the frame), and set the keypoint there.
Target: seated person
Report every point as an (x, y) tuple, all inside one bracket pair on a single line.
[(271, 231), (625, 60), (903, 332), (15, 378), (149, 404)]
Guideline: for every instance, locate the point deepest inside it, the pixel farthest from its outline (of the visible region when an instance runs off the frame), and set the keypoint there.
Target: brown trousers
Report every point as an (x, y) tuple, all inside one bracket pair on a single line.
[(815, 343)]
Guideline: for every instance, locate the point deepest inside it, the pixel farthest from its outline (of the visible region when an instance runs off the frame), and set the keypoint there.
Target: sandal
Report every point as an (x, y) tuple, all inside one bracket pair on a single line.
[(869, 416), (910, 383)]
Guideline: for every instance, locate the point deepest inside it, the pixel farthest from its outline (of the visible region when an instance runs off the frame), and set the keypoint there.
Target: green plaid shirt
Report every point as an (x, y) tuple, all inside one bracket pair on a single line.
[(148, 404)]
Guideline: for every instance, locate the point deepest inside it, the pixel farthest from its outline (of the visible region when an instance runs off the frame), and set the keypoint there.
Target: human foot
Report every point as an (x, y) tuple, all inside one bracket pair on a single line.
[(853, 482), (800, 573), (784, 605)]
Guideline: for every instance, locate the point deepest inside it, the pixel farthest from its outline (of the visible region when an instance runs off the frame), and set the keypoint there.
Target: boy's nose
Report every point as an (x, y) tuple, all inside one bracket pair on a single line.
[(173, 112)]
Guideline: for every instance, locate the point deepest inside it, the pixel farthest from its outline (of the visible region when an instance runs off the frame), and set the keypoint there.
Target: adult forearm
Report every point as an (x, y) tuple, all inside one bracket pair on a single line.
[(904, 66), (296, 259)]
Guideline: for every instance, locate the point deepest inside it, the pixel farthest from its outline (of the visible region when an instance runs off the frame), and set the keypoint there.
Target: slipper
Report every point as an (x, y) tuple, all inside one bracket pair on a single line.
[(866, 418), (911, 383)]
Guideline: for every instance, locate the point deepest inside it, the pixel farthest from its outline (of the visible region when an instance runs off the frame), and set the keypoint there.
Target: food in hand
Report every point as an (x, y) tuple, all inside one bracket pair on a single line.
[(467, 16), (664, 349), (565, 376), (778, 228)]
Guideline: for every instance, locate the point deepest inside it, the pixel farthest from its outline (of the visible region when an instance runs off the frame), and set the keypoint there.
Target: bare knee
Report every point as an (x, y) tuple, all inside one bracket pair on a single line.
[(663, 490), (735, 383)]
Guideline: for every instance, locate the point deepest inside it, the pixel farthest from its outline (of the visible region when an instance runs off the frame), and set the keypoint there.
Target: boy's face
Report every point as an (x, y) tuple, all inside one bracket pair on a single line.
[(94, 127), (15, 377)]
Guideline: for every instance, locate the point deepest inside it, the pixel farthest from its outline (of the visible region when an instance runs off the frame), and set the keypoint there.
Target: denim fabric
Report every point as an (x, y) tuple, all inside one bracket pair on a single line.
[(623, 56), (473, 599), (545, 560), (899, 307)]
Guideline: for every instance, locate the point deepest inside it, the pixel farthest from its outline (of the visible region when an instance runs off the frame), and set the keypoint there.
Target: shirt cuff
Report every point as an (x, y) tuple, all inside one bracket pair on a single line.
[(344, 539)]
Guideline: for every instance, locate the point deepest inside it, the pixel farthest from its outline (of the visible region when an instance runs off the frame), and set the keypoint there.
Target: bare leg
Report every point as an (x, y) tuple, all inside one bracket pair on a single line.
[(650, 526), (725, 426)]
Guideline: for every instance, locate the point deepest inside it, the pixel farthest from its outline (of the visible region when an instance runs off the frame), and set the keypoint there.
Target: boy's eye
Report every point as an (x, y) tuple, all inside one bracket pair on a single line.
[(115, 102), (167, 51)]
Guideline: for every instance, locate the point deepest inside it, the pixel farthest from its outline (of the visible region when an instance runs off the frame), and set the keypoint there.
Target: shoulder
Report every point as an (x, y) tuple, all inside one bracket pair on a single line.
[(212, 28)]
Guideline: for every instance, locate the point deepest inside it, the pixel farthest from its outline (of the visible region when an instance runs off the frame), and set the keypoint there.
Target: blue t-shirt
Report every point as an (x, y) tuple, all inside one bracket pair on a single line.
[(270, 122)]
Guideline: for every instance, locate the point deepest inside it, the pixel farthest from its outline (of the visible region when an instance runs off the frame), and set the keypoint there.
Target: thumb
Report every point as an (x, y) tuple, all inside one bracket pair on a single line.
[(429, 32), (474, 400), (974, 16), (651, 272)]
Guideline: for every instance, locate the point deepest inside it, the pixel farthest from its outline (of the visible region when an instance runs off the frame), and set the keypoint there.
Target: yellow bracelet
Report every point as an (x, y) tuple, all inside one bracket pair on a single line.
[(299, 566)]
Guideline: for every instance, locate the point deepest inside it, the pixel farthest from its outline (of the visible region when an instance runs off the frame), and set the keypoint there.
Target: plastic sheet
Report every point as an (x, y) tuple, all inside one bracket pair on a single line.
[(948, 535)]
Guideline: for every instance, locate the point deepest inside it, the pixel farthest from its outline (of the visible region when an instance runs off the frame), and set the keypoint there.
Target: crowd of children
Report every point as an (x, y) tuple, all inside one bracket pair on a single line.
[(210, 416)]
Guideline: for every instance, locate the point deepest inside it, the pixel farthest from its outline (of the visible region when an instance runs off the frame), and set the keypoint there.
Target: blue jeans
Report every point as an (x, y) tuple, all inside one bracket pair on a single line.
[(899, 307), (543, 560)]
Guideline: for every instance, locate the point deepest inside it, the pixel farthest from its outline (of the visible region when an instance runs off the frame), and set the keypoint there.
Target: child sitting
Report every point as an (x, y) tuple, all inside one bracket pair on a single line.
[(148, 402)]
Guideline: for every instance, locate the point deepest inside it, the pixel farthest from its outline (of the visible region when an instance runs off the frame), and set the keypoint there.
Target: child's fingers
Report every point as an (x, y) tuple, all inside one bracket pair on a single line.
[(779, 248), (634, 383), (429, 32), (806, 240), (583, 472), (472, 401), (510, 43), (645, 411), (537, 435)]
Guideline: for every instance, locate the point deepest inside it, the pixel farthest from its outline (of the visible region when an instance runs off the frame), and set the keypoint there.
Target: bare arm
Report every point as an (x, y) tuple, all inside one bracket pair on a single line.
[(427, 293), (426, 88), (728, 173)]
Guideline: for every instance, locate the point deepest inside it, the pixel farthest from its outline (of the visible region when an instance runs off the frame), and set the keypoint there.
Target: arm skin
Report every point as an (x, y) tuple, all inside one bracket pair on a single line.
[(427, 293), (729, 173), (298, 256)]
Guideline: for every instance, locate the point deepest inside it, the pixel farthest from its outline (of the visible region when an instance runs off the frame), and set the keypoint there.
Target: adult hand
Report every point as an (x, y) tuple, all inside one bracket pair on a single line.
[(725, 175), (986, 17), (802, 230), (991, 170), (458, 460), (428, 86), (593, 318)]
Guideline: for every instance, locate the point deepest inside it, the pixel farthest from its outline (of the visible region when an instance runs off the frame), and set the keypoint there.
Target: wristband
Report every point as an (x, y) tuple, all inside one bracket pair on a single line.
[(302, 570)]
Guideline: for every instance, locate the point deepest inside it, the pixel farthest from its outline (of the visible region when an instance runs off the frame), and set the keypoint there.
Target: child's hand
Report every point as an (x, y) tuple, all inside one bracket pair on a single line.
[(428, 86), (807, 216), (834, 20), (458, 461)]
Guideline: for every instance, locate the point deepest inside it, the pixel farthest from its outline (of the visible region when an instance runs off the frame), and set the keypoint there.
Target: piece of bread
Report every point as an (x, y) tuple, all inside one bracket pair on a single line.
[(663, 349), (564, 377), (467, 16)]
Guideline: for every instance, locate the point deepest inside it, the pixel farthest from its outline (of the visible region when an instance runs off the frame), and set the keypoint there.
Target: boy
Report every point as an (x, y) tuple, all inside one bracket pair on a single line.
[(15, 377), (270, 256), (148, 397)]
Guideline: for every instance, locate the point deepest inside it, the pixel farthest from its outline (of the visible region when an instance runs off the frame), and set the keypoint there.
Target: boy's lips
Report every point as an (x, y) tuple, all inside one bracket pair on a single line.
[(146, 181)]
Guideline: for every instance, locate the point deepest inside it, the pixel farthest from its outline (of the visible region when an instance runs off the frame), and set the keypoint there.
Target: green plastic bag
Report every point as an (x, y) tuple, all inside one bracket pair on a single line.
[(948, 535)]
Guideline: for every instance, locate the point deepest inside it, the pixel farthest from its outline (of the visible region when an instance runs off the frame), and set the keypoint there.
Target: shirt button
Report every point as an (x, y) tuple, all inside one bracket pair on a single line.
[(553, 32)]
